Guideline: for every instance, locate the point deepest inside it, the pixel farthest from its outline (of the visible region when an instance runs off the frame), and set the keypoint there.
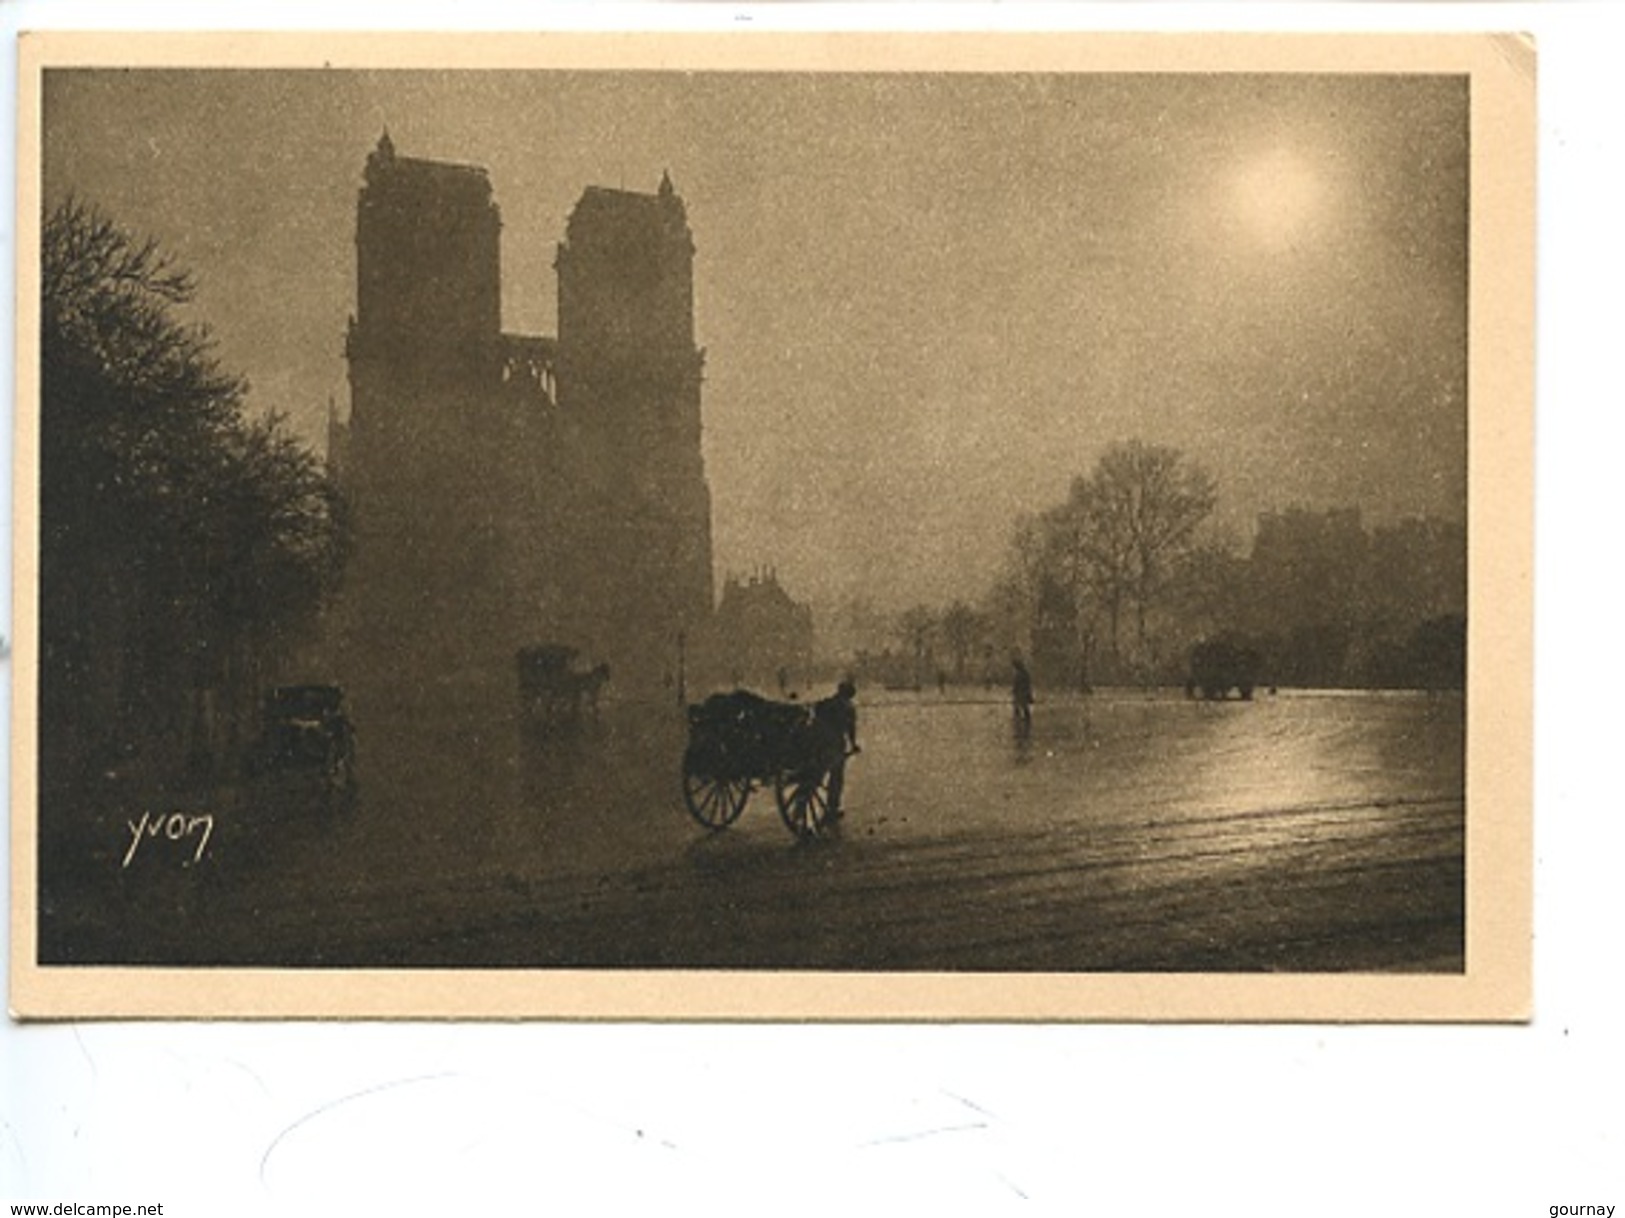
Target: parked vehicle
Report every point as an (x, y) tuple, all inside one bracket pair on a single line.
[(555, 694), (307, 741), (1221, 665)]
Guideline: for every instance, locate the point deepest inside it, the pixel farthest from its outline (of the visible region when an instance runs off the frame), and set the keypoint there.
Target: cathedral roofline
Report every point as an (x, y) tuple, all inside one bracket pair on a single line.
[(607, 208), (644, 196), (384, 163), (460, 167)]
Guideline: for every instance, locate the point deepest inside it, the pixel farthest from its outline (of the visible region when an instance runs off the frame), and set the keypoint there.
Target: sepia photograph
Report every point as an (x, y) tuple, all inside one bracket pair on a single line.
[(781, 528)]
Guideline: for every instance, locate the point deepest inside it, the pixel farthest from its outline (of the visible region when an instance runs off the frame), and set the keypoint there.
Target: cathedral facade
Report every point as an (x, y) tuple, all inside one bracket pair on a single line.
[(509, 490)]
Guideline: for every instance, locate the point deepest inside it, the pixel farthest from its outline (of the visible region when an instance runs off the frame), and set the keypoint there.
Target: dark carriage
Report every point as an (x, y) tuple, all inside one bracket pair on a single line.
[(555, 694), (740, 741), (307, 741), (1222, 664)]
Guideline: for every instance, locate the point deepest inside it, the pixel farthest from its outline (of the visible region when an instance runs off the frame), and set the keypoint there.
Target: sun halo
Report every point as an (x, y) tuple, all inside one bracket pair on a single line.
[(1279, 197)]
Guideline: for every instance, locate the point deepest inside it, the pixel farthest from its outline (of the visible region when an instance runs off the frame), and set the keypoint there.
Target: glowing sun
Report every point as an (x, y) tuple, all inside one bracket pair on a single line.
[(1278, 196)]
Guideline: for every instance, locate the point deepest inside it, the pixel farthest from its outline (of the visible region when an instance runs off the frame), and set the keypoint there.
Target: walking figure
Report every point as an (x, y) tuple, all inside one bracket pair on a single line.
[(1021, 693)]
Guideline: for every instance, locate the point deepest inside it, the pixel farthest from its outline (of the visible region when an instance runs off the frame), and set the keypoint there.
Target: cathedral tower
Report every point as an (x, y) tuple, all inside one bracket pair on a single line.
[(424, 351), (630, 379), (511, 490)]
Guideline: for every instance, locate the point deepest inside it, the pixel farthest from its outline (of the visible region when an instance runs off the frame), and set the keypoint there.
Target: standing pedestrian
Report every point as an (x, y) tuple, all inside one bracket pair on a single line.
[(1021, 693)]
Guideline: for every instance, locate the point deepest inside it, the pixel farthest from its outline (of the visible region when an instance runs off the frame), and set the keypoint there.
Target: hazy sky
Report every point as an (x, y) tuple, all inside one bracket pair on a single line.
[(928, 301)]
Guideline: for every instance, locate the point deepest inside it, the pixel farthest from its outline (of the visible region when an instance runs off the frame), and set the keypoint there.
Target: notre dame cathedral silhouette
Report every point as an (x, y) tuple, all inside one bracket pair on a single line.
[(506, 489)]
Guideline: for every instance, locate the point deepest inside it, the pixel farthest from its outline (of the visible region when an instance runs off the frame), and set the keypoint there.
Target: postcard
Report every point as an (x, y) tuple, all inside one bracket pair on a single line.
[(774, 527)]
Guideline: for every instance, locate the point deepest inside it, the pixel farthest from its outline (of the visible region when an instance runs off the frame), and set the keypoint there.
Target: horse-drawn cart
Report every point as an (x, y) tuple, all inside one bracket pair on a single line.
[(306, 745), (555, 695), (740, 741)]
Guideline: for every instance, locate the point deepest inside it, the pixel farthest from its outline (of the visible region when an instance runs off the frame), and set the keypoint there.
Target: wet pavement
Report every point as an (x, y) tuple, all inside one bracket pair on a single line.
[(1129, 831)]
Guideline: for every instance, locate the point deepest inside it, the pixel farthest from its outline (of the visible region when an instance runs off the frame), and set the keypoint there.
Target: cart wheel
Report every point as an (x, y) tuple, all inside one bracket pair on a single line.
[(715, 802), (805, 801)]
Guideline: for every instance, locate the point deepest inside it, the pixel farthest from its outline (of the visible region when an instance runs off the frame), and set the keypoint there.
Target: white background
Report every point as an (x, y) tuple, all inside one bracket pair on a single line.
[(244, 1119)]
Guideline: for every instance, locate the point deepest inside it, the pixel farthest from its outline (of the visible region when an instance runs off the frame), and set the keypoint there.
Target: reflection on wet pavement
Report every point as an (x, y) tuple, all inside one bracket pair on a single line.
[(1125, 830)]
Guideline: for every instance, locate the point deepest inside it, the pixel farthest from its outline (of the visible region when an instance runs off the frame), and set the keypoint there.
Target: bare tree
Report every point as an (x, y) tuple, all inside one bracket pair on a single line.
[(1118, 539), (1015, 594), (917, 629), (177, 536), (1074, 563), (962, 629)]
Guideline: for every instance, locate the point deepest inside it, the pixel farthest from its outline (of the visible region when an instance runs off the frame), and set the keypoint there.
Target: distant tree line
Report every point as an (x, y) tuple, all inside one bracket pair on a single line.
[(186, 548), (1118, 583)]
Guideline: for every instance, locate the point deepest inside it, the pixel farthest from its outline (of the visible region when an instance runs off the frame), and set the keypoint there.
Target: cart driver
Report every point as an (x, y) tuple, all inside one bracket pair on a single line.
[(840, 717), (838, 713)]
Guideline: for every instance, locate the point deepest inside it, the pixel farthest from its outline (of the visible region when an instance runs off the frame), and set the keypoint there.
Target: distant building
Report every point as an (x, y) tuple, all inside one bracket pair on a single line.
[(1336, 605), (514, 489), (763, 633)]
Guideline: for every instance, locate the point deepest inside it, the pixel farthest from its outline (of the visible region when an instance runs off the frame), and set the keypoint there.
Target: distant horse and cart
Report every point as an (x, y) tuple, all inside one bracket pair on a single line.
[(1221, 664), (556, 694), (306, 744)]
